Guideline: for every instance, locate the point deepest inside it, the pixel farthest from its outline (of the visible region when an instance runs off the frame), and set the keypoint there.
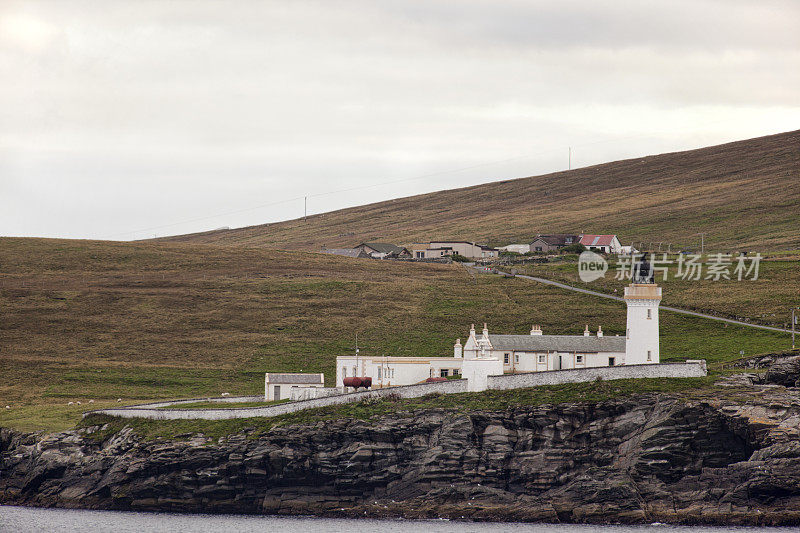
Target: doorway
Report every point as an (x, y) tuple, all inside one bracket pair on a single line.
[(276, 392), (611, 361)]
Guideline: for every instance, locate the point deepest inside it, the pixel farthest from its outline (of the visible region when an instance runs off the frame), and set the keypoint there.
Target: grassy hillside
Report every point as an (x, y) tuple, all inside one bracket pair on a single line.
[(85, 320), (767, 300), (743, 195)]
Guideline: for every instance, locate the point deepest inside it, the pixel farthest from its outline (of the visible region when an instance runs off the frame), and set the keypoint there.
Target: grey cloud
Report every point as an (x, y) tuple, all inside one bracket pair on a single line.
[(163, 110)]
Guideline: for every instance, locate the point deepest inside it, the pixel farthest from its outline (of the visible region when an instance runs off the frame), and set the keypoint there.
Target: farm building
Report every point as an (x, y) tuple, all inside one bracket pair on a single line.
[(607, 244), (346, 252), (382, 250), (552, 242), (438, 249)]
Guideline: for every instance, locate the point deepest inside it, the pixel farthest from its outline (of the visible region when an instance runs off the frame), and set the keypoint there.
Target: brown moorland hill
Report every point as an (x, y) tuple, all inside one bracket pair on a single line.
[(743, 195)]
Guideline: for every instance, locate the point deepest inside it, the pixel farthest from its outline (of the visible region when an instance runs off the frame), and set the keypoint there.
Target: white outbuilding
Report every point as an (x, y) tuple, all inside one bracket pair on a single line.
[(279, 385)]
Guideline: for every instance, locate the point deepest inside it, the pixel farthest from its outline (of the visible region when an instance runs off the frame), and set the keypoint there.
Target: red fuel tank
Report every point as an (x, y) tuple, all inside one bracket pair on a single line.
[(357, 382)]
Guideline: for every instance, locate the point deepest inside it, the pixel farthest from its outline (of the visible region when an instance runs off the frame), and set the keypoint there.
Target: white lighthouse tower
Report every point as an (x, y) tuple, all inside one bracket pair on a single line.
[(642, 298)]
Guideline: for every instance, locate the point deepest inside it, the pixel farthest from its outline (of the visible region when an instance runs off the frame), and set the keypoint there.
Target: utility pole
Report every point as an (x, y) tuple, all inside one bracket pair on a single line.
[(305, 214), (794, 321), (702, 243), (569, 159), (357, 369)]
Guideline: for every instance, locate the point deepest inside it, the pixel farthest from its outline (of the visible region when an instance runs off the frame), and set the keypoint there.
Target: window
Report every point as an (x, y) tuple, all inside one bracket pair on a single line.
[(516, 358), (443, 373), (344, 371), (579, 359), (649, 355), (538, 249), (505, 358), (456, 372), (649, 314), (380, 375), (542, 359), (611, 361), (420, 255)]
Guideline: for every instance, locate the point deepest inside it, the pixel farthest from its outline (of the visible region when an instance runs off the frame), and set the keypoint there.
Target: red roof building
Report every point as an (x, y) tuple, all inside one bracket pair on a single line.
[(607, 244)]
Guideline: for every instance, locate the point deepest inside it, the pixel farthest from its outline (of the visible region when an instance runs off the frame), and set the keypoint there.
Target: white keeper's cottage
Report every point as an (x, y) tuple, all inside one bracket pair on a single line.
[(487, 354)]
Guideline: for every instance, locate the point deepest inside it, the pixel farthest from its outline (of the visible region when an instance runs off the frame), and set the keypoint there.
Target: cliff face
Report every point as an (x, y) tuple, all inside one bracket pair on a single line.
[(639, 459)]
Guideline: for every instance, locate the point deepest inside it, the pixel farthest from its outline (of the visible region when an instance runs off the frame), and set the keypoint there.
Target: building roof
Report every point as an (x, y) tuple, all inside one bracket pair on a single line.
[(557, 343), (347, 252), (597, 240), (295, 378), (481, 246), (400, 359), (382, 247), (557, 239)]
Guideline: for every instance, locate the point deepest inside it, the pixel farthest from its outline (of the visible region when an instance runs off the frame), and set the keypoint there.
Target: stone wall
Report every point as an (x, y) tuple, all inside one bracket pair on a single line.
[(153, 412), (694, 369), (311, 393)]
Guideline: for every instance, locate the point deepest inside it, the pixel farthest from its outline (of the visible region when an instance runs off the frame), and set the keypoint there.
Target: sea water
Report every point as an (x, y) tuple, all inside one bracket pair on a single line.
[(29, 520)]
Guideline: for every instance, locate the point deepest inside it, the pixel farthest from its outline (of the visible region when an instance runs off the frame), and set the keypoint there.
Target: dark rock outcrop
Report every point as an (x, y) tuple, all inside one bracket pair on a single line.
[(785, 371), (640, 459)]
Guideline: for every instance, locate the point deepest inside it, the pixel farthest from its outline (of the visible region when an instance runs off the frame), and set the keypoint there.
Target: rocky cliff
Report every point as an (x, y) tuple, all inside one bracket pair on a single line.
[(638, 459)]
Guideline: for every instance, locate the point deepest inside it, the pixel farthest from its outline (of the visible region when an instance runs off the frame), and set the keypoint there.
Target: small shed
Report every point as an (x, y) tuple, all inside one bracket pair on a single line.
[(279, 385)]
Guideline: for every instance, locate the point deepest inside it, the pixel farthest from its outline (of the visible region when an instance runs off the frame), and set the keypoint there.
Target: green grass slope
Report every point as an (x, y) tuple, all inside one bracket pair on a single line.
[(744, 195), (88, 320)]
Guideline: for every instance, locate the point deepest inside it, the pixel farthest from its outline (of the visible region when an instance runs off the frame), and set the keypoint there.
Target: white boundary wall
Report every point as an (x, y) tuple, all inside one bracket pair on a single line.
[(153, 412), (689, 369)]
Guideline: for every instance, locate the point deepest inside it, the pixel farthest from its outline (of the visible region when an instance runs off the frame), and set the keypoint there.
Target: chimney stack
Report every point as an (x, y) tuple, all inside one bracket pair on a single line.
[(536, 330), (586, 331), (599, 331)]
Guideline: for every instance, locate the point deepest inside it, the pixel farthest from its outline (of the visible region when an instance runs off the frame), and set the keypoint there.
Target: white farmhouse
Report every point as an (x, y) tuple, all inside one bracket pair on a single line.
[(607, 244)]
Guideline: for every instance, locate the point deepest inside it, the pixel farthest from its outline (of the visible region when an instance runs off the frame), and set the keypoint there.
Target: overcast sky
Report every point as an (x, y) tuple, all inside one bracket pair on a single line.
[(136, 118)]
